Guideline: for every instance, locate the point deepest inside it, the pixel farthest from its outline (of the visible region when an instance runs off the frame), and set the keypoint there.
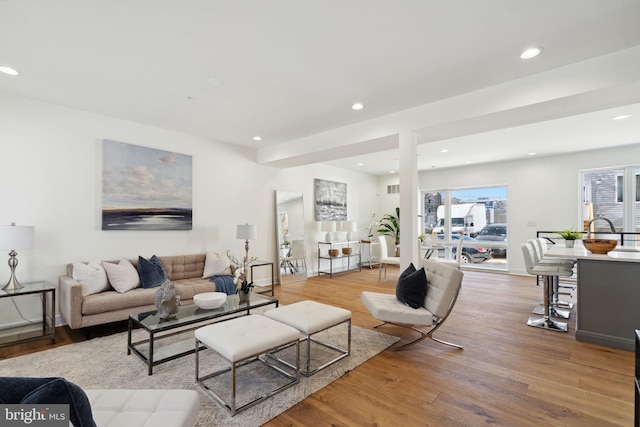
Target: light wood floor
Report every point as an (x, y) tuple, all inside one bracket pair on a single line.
[(509, 374)]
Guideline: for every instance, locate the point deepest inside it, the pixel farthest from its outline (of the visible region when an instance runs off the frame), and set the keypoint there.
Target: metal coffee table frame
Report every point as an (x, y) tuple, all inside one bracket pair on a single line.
[(188, 318)]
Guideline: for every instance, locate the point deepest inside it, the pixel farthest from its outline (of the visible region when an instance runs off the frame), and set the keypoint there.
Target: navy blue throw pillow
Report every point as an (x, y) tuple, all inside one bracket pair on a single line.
[(412, 287), (151, 272)]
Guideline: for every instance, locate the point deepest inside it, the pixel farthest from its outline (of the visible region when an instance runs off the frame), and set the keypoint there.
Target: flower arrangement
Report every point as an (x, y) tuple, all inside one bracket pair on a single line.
[(240, 273)]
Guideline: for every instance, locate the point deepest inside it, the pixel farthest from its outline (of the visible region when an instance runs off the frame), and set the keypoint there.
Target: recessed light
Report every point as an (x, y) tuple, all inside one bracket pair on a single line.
[(257, 138), (444, 150), (468, 162), (531, 53), (360, 164), (8, 70), (357, 106), (392, 171), (531, 154), (621, 117)]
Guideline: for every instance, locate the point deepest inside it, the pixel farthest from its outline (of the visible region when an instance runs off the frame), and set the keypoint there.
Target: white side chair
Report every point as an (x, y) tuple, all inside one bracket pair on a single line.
[(444, 283), (455, 262), (296, 257), (385, 258)]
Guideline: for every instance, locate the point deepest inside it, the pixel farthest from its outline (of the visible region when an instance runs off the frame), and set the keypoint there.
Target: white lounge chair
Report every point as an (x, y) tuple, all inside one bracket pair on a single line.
[(443, 287)]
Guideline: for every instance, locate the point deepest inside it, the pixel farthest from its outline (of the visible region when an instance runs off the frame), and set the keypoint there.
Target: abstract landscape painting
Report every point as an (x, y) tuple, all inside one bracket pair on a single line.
[(145, 188), (331, 200)]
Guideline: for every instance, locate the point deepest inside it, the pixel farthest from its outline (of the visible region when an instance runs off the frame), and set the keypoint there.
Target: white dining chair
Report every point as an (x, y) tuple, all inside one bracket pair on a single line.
[(385, 258), (457, 256)]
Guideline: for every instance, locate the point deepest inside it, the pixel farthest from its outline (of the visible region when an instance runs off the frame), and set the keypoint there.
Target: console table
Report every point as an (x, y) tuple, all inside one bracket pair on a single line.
[(46, 328), (342, 262)]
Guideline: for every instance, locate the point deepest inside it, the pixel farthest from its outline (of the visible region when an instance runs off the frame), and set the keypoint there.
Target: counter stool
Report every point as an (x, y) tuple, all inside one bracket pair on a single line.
[(241, 341), (548, 272), (541, 247), (555, 302), (310, 318)]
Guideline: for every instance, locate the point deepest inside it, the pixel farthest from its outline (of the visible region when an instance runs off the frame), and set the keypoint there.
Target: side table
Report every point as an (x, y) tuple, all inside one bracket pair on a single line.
[(263, 264), (33, 331), (370, 258)]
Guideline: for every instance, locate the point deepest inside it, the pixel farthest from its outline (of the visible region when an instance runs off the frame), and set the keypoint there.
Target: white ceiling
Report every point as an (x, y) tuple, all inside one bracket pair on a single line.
[(289, 70)]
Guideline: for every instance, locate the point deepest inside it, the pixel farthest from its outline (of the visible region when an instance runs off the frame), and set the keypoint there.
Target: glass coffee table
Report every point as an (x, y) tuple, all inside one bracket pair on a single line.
[(169, 339)]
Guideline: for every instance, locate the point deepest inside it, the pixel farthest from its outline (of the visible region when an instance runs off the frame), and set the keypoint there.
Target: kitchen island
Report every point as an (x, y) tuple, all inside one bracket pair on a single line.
[(608, 303)]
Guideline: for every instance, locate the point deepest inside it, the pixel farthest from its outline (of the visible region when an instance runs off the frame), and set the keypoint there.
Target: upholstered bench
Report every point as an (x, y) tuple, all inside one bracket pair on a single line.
[(311, 317), (137, 408), (240, 341)]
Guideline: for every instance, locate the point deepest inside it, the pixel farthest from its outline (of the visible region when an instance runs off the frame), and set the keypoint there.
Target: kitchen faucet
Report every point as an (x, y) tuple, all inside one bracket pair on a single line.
[(613, 229)]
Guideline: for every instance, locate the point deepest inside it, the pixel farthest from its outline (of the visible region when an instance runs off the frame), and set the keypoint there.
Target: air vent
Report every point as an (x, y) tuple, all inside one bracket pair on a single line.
[(393, 189)]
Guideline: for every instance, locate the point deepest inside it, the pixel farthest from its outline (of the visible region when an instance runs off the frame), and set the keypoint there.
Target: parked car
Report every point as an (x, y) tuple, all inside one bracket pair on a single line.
[(494, 233), (469, 254)]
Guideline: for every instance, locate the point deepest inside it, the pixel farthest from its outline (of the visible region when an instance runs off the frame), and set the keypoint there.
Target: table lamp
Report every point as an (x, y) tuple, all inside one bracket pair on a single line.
[(246, 232), (350, 227), (330, 228), (15, 237)]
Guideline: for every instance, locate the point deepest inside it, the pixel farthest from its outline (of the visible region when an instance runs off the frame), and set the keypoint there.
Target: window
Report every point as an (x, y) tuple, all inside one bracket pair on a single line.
[(619, 189), (606, 193), (451, 212)]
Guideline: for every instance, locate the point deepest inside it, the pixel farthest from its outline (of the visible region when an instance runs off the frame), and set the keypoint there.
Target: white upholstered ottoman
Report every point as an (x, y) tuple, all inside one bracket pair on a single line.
[(311, 317), (240, 341), (149, 408)]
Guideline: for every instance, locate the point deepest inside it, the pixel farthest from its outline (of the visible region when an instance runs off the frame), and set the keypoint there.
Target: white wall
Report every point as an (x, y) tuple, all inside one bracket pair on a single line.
[(543, 192), (50, 177)]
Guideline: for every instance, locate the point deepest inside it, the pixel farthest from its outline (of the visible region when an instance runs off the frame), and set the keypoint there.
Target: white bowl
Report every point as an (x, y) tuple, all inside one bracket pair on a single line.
[(210, 300)]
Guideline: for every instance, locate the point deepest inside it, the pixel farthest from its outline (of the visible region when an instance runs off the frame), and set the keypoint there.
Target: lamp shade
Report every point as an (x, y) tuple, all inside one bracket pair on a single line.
[(329, 226), (246, 232), (17, 237), (350, 227)]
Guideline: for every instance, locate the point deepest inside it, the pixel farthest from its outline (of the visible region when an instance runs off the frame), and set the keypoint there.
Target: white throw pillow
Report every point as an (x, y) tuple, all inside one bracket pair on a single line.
[(91, 276), (215, 265), (122, 276)]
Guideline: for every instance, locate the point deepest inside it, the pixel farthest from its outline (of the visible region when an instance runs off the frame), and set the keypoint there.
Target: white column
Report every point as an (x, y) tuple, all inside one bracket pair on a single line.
[(408, 144)]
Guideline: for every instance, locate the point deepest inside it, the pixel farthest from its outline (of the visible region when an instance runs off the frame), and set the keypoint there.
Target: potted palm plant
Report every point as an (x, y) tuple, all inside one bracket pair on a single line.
[(570, 235), (390, 226)]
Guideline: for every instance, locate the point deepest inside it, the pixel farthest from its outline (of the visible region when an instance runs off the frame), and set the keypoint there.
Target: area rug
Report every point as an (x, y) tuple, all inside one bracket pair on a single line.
[(103, 363)]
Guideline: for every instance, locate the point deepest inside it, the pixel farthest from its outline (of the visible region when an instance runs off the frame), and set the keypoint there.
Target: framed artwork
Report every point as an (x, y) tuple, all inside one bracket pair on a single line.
[(145, 188), (331, 200)]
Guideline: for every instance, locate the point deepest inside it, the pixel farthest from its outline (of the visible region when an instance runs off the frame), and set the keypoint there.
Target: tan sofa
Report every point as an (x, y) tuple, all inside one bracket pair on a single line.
[(184, 271)]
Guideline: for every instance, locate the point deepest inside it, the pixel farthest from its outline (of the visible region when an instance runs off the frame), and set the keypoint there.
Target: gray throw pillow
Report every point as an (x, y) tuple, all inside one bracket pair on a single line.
[(151, 272)]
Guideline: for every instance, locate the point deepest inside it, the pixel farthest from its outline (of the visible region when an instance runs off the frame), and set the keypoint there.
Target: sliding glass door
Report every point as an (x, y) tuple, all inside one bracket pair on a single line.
[(477, 215)]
